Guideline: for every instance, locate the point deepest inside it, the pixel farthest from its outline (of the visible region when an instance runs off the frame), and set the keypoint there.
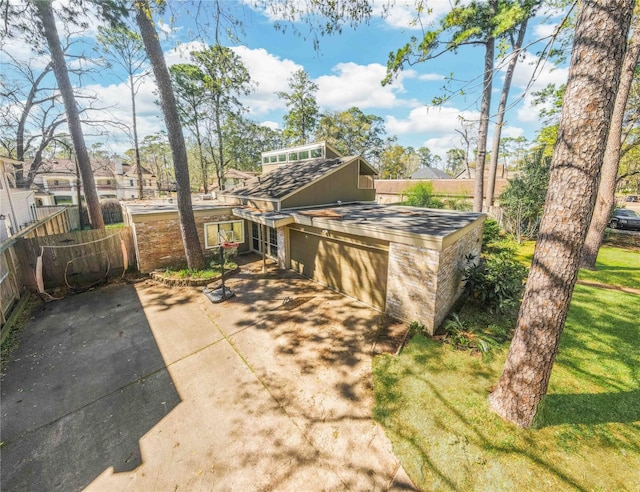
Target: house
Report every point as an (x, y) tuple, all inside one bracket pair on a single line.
[(17, 206), (56, 181), (319, 217), (429, 173)]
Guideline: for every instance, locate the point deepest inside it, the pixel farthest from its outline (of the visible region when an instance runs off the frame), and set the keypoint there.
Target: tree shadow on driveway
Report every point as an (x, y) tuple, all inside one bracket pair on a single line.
[(85, 384)]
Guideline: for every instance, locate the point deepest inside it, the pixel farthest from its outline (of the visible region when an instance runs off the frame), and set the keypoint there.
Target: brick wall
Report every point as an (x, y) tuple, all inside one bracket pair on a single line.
[(411, 284), (452, 262), (423, 284), (159, 241)]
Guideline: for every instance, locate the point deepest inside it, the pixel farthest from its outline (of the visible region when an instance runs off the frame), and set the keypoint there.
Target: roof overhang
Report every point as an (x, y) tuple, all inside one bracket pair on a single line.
[(269, 218)]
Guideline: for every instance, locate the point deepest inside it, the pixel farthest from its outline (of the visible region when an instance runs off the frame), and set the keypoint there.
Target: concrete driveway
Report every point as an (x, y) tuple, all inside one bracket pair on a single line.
[(143, 387)]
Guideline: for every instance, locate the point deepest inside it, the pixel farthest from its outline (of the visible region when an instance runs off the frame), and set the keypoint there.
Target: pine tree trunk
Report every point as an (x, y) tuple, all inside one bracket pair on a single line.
[(136, 146), (599, 45), (497, 132), (608, 176), (45, 13), (188, 229), (483, 130)]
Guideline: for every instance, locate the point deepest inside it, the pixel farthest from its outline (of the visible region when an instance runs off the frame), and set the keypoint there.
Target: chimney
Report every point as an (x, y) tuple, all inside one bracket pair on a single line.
[(119, 171)]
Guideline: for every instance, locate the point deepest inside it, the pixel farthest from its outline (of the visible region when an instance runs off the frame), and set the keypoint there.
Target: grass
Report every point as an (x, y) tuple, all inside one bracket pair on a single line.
[(204, 274), (432, 402), (615, 266)]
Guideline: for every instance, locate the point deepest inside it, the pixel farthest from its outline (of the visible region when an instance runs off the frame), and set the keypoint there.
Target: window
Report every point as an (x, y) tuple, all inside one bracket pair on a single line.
[(265, 160), (293, 156), (315, 153), (63, 200), (256, 243), (282, 158), (108, 181), (212, 230), (273, 158), (131, 182), (56, 182), (303, 155)]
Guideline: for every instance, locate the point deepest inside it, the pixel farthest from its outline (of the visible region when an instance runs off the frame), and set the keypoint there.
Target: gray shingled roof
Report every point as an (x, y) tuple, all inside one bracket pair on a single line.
[(287, 179), (430, 173)]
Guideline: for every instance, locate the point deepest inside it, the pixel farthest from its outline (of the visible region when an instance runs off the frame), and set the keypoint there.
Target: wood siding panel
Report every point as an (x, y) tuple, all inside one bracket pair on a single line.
[(341, 185), (353, 269)]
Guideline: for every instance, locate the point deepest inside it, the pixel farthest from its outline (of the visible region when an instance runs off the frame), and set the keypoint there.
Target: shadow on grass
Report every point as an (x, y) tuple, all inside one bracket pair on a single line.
[(599, 408)]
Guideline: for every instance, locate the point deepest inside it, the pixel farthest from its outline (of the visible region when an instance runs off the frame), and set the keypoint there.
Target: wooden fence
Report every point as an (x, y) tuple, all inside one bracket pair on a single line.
[(14, 275), (75, 259)]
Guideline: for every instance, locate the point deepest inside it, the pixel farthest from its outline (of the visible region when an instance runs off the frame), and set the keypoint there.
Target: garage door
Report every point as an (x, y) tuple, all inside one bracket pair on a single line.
[(354, 269)]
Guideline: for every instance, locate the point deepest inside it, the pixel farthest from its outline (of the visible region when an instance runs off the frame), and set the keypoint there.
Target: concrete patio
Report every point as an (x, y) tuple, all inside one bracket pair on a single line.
[(144, 387)]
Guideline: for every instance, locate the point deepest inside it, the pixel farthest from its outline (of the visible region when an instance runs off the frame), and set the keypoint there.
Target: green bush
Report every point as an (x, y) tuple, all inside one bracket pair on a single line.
[(421, 195), (496, 282)]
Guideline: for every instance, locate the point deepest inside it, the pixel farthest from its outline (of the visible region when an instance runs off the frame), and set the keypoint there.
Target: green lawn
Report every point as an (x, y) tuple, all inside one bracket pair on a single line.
[(432, 402), (615, 266)]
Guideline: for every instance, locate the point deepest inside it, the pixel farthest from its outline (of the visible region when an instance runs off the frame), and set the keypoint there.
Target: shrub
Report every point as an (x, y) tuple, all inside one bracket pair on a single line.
[(464, 337), (421, 195), (496, 282)]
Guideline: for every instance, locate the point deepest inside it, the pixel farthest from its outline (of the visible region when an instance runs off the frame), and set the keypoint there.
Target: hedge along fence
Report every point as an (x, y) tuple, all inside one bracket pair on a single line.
[(75, 259)]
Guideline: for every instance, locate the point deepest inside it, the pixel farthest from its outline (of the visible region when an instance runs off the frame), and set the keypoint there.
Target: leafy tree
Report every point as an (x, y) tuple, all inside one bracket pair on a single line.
[(188, 229), (594, 74), (475, 23), (301, 119), (455, 161), (124, 48), (188, 83), (516, 43), (394, 162), (352, 132), (245, 140), (427, 158), (155, 152), (225, 79), (607, 188), (522, 200)]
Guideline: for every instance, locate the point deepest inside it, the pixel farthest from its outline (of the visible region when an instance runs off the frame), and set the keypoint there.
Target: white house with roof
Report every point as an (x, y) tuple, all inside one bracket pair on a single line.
[(57, 181)]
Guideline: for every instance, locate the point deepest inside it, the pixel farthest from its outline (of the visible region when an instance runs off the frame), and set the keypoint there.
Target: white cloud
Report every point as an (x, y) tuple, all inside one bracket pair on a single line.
[(270, 73), (532, 75), (430, 120), (271, 124), (541, 31), (403, 14), (360, 85), (428, 77)]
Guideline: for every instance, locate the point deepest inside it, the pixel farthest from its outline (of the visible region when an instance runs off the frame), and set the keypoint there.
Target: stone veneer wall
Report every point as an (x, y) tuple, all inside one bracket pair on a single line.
[(452, 263), (159, 241), (423, 284), (411, 284)]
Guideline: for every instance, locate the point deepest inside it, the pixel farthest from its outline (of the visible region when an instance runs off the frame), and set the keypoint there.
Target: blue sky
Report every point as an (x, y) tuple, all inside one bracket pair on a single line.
[(348, 69)]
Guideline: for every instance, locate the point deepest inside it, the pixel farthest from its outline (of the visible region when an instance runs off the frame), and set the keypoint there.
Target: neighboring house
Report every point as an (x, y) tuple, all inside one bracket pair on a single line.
[(57, 182), (17, 207), (232, 177), (429, 173)]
